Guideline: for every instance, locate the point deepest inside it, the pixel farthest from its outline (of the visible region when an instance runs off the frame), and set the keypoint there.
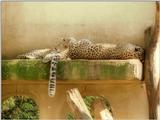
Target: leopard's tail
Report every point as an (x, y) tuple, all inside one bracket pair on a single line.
[(52, 77)]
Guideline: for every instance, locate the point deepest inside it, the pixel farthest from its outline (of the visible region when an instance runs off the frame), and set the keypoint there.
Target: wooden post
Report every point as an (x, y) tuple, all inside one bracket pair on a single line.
[(151, 68)]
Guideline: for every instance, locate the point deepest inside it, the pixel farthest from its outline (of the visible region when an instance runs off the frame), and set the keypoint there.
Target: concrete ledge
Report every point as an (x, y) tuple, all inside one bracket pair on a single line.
[(73, 70)]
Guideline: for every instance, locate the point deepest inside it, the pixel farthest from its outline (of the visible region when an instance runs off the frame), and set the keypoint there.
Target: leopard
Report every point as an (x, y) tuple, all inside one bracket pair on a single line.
[(85, 49)]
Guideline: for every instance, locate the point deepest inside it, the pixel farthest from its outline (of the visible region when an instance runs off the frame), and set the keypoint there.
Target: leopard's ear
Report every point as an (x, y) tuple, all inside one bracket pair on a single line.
[(136, 49)]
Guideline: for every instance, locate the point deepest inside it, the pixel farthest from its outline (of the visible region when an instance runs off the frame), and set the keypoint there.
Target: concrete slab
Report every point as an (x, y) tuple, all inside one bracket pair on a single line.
[(73, 70)]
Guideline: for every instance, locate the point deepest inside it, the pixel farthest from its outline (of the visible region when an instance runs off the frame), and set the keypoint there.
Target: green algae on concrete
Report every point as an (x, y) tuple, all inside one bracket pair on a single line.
[(72, 70), (69, 70), (120, 71), (24, 70)]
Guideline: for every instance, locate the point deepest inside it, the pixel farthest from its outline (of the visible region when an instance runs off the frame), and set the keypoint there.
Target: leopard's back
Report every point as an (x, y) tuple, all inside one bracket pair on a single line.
[(85, 49)]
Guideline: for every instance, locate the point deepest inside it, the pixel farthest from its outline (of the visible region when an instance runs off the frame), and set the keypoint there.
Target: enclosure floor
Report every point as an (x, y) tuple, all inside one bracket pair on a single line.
[(128, 98)]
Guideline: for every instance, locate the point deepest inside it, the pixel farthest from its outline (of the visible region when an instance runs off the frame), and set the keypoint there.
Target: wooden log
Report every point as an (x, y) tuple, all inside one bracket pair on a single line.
[(150, 67), (77, 105)]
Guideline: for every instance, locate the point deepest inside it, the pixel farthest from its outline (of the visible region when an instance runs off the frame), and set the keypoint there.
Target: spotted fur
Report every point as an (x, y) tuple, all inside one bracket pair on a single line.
[(85, 49), (34, 54), (52, 77)]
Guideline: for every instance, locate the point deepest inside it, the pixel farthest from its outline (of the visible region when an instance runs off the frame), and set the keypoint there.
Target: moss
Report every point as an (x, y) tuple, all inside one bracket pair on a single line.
[(5, 70), (80, 67), (67, 70), (70, 116), (72, 69), (113, 71), (60, 70), (34, 70), (25, 70)]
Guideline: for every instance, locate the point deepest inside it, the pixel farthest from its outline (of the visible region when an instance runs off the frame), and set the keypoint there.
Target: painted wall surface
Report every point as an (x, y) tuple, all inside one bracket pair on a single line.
[(35, 25), (128, 100)]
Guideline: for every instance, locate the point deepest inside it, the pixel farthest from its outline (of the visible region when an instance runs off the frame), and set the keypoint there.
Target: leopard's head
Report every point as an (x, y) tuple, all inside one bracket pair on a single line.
[(139, 51), (67, 41)]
